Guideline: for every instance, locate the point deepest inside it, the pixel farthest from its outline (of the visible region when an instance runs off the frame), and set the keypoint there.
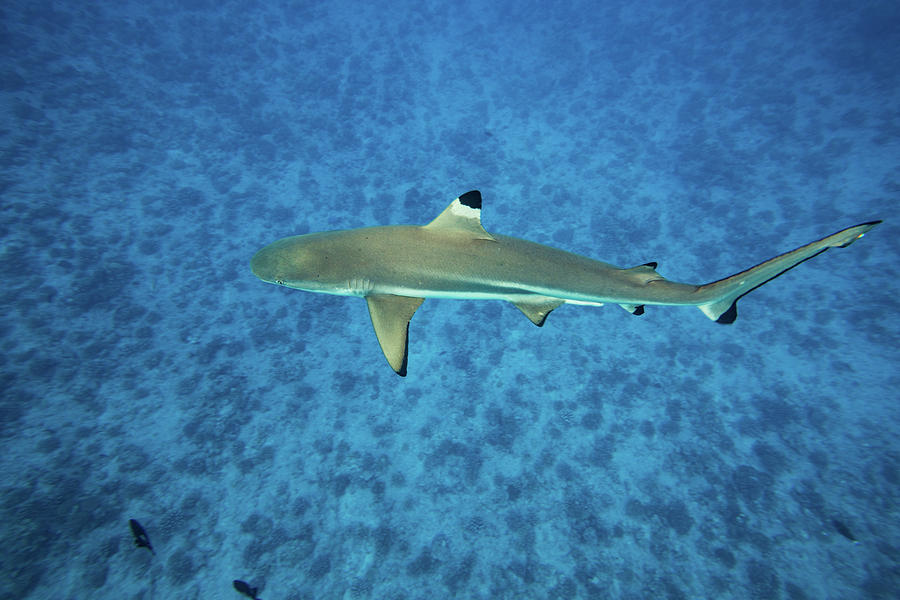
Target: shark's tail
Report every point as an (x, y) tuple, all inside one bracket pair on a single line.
[(726, 292)]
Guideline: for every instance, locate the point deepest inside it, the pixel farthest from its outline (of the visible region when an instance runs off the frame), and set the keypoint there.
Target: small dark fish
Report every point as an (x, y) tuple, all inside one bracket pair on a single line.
[(844, 530), (141, 540), (244, 588)]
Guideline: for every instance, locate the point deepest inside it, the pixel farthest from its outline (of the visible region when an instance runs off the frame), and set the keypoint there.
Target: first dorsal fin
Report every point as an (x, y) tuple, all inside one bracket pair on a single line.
[(463, 215)]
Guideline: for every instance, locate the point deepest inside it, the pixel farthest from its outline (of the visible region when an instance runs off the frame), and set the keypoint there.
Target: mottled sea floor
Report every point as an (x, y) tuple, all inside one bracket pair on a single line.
[(147, 150)]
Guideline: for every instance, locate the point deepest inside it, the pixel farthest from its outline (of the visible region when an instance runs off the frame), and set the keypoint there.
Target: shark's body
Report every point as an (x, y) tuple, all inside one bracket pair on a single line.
[(396, 267)]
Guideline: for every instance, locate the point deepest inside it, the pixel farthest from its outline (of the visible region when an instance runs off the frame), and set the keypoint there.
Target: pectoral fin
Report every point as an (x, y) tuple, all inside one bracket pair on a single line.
[(390, 317)]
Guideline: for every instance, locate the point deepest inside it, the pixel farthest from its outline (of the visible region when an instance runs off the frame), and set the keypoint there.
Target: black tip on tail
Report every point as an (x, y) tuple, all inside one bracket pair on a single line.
[(728, 317)]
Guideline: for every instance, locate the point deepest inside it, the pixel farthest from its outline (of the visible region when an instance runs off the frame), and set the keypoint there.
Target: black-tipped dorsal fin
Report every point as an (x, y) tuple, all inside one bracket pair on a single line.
[(464, 215), (648, 267), (644, 273)]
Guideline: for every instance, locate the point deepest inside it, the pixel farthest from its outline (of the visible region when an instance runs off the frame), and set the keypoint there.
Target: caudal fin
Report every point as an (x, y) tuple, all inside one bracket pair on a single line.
[(726, 292)]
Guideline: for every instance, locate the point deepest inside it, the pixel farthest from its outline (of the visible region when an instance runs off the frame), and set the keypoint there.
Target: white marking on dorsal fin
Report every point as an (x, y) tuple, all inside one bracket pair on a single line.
[(463, 214)]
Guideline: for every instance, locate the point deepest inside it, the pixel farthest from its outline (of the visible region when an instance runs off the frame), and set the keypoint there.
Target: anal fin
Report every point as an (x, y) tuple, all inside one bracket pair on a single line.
[(390, 318), (635, 309)]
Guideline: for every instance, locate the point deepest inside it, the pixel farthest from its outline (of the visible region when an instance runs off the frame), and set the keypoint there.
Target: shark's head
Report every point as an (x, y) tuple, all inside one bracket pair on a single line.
[(285, 262), (311, 262)]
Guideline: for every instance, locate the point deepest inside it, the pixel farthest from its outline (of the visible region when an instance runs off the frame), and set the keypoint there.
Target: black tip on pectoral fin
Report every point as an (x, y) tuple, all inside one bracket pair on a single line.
[(639, 310), (402, 370)]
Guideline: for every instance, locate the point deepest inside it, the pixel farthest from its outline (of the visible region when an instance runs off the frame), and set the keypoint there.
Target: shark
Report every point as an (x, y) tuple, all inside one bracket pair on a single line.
[(396, 267)]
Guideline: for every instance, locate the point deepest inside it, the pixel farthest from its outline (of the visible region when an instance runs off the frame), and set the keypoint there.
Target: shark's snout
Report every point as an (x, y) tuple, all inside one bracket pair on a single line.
[(263, 264), (283, 262)]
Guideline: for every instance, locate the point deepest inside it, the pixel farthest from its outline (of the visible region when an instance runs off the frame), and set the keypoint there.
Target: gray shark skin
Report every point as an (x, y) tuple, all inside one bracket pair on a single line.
[(396, 267)]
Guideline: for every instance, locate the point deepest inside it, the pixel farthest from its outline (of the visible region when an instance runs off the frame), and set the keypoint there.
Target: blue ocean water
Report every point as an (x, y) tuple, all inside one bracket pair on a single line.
[(150, 148)]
